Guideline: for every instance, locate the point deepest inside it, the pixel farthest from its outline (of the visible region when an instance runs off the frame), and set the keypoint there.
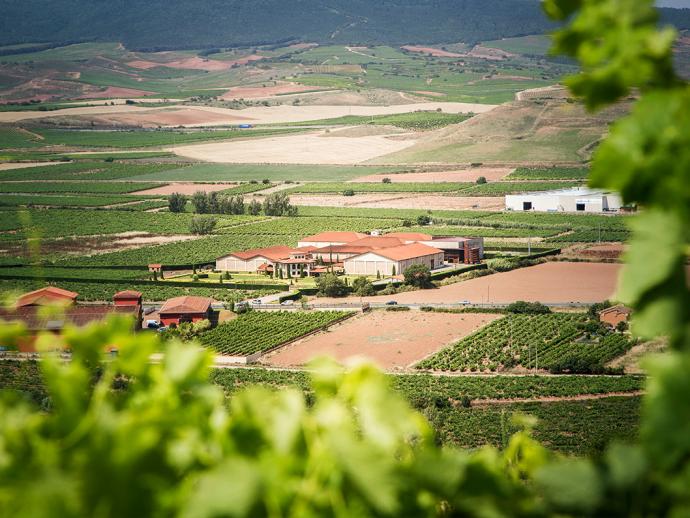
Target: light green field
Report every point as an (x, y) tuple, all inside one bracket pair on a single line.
[(248, 172), (536, 45)]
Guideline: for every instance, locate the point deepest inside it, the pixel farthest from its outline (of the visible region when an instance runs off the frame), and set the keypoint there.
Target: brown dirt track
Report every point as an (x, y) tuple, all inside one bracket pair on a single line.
[(393, 340)]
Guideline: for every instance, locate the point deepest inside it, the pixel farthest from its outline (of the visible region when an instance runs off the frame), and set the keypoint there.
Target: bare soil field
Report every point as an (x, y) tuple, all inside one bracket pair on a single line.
[(309, 148), (186, 188), (493, 174), (439, 53), (192, 63), (392, 340), (169, 117), (552, 282), (280, 114), (24, 165), (259, 92), (402, 201)]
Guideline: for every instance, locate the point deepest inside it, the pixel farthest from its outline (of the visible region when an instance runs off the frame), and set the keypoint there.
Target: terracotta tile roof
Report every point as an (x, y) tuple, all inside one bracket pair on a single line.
[(410, 236), (48, 295), (187, 304), (378, 242), (77, 315), (127, 294), (306, 249), (336, 237), (620, 308), (343, 249), (411, 251), (272, 252)]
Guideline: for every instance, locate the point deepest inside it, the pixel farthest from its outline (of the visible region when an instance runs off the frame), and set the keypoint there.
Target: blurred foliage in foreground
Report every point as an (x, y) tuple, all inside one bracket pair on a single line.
[(132, 438)]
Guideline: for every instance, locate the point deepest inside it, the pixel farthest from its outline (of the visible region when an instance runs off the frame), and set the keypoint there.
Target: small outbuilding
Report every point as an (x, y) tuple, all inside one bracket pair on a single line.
[(185, 309), (615, 315), (577, 199)]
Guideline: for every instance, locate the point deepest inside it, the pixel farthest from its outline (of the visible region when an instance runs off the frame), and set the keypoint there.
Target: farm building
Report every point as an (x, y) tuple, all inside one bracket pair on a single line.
[(330, 239), (185, 309), (252, 260), (577, 199), (410, 237), (615, 315), (459, 249), (394, 260), (29, 310)]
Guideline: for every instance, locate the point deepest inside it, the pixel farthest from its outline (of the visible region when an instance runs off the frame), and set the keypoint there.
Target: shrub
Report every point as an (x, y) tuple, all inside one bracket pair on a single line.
[(254, 208), (406, 223), (528, 308), (386, 180), (481, 180), (278, 204), (362, 287), (348, 192), (202, 225), (418, 275), (423, 220), (177, 202), (330, 285)]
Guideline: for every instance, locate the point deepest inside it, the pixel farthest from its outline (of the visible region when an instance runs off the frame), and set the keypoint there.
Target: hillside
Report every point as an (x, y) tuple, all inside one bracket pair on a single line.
[(178, 24)]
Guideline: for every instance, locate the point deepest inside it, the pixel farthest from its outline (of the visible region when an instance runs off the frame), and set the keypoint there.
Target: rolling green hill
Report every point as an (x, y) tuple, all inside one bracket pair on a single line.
[(206, 23)]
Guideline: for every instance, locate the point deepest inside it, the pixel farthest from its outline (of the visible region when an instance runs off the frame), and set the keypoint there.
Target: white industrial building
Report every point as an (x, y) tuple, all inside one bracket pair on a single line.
[(577, 199)]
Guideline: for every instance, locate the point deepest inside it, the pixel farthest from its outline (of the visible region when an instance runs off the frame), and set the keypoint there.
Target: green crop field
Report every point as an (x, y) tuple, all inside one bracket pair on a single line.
[(549, 173), (74, 187), (303, 226), (537, 45), (261, 331), (258, 172), (420, 121), (533, 342), (19, 200), (503, 188), (88, 170), (135, 139)]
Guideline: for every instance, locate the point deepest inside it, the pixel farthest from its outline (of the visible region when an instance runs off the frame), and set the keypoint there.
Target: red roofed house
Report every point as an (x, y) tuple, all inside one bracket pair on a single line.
[(28, 310), (252, 260), (615, 315), (394, 260), (46, 296), (186, 309)]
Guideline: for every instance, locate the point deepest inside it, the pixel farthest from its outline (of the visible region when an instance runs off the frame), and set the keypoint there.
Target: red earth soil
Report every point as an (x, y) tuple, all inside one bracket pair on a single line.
[(393, 340), (115, 92), (552, 282)]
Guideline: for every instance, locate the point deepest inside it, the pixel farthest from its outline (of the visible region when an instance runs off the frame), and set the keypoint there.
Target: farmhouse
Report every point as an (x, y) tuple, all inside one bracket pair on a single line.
[(615, 315), (185, 309), (330, 239), (394, 260), (30, 310), (252, 260), (578, 199)]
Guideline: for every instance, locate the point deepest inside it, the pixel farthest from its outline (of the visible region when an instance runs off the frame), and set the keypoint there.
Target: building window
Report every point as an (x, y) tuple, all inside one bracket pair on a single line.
[(580, 207), (526, 205)]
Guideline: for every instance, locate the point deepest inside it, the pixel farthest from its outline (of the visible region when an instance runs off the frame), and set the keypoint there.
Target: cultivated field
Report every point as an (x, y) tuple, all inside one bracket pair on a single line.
[(552, 282), (492, 174), (402, 201), (393, 340), (312, 148), (186, 188)]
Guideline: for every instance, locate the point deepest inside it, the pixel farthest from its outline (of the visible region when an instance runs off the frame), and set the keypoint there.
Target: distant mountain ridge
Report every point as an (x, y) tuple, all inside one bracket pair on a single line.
[(158, 24)]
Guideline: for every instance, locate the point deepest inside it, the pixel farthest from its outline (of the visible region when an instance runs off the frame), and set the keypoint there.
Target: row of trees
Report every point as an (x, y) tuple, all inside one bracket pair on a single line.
[(330, 285), (276, 204)]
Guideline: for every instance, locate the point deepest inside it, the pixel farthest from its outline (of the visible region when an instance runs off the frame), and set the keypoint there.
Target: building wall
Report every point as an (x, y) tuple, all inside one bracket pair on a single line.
[(175, 318), (593, 203), (235, 264), (371, 263)]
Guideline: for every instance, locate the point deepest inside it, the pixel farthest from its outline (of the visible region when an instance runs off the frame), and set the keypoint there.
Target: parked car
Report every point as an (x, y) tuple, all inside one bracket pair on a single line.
[(152, 324), (287, 303), (391, 303), (162, 328), (257, 302)]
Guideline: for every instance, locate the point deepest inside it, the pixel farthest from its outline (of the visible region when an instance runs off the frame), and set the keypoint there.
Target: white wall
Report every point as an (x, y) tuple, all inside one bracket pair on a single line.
[(319, 244), (370, 263), (235, 264)]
